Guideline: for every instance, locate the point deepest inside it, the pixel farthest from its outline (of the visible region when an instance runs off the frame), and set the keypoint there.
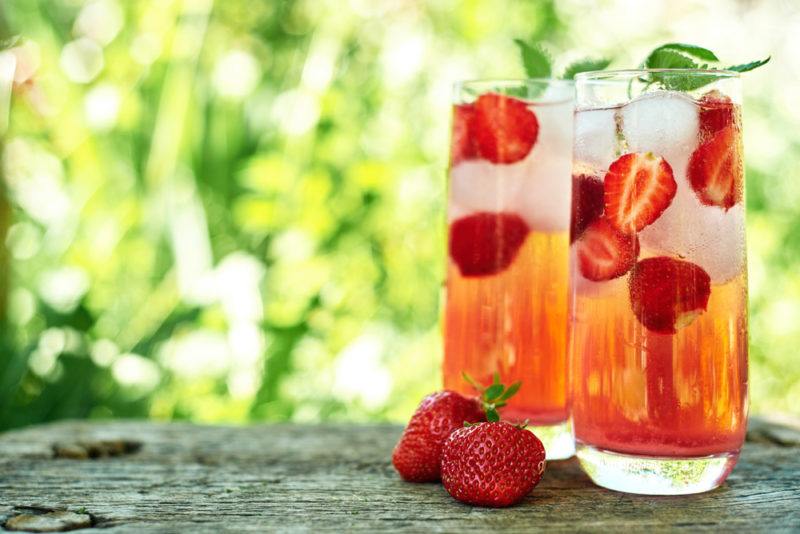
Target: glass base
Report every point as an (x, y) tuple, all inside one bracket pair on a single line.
[(558, 441), (649, 475)]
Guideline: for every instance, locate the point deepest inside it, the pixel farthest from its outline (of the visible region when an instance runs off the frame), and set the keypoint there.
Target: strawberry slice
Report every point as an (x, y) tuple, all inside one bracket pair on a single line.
[(505, 128), (715, 170), (486, 243), (717, 111), (463, 147), (638, 188), (604, 252), (667, 294), (587, 203)]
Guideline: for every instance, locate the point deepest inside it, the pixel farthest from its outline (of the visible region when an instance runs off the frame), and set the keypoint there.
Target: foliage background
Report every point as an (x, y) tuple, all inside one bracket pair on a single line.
[(230, 210)]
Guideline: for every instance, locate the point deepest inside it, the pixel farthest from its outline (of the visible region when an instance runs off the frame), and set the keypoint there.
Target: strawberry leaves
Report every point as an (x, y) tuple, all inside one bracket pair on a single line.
[(494, 396)]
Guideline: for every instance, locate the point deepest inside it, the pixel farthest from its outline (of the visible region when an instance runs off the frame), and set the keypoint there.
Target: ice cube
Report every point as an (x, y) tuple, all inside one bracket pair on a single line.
[(662, 122), (720, 245), (666, 123), (706, 235), (455, 211), (595, 138), (538, 188), (546, 173), (479, 185)]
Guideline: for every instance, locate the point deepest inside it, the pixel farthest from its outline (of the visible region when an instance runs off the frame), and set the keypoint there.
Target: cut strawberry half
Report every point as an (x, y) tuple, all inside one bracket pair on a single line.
[(505, 128), (638, 188), (463, 147), (717, 111), (587, 203), (604, 252), (716, 171), (486, 243), (668, 294)]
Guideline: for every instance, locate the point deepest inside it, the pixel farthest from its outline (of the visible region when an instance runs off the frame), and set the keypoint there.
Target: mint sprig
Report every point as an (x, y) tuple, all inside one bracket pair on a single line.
[(584, 65), (535, 59), (687, 56), (693, 51), (494, 396), (744, 67), (538, 63)]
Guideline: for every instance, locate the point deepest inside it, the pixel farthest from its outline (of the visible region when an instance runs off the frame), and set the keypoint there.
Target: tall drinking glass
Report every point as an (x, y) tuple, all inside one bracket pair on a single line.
[(658, 279), (508, 216)]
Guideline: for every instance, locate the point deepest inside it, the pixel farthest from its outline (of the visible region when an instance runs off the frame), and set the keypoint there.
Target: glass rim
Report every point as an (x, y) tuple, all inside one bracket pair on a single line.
[(626, 74), (511, 82)]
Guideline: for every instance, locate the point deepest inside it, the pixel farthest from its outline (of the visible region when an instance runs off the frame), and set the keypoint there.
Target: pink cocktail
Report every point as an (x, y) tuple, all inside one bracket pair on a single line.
[(658, 280), (508, 239)]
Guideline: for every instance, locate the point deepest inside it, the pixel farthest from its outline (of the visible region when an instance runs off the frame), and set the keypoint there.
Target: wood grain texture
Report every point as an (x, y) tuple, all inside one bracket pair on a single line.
[(339, 478)]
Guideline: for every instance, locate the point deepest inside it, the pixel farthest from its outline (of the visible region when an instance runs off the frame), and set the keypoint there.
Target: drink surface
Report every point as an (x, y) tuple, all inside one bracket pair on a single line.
[(658, 284), (508, 215)]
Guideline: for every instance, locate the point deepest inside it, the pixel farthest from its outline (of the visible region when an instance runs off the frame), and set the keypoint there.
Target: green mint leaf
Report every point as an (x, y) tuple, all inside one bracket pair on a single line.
[(535, 59), (668, 59), (684, 56), (584, 65), (510, 392), (662, 58), (681, 82), (749, 66), (493, 392), (492, 415), (692, 50)]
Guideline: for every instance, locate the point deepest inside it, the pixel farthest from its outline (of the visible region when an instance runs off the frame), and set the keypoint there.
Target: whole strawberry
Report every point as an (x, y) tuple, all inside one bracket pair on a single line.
[(491, 464), (416, 456)]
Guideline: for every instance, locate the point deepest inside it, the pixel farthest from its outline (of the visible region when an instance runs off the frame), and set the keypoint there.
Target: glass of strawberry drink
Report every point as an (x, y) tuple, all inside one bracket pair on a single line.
[(658, 284), (508, 216)]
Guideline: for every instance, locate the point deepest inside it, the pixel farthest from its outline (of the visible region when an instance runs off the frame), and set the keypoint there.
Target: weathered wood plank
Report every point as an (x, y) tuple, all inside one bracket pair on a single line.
[(339, 478)]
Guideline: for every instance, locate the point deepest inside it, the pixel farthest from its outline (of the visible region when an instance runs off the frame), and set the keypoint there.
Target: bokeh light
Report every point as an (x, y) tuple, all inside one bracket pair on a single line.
[(234, 211)]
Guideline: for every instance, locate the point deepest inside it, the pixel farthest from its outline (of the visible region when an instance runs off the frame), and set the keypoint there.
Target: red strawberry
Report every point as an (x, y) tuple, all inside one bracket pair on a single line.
[(716, 112), (492, 464), (604, 252), (667, 294), (486, 243), (587, 203), (417, 455), (716, 171), (505, 128), (638, 188), (463, 147)]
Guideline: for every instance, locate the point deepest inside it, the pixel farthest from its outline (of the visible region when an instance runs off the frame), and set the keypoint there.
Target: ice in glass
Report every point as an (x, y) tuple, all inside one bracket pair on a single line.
[(658, 280), (508, 241)]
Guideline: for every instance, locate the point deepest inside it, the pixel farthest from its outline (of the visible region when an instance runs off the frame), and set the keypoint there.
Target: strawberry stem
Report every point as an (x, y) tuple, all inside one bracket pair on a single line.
[(494, 396)]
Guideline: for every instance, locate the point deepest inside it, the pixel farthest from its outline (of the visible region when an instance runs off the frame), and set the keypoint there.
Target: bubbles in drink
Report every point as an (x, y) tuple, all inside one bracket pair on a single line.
[(595, 137)]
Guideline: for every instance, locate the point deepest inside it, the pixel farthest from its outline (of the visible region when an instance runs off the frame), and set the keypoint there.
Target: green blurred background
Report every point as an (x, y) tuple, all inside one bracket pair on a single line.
[(233, 210)]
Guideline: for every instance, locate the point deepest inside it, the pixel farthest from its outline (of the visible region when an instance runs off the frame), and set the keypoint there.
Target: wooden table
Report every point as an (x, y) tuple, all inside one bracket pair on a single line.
[(141, 477)]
